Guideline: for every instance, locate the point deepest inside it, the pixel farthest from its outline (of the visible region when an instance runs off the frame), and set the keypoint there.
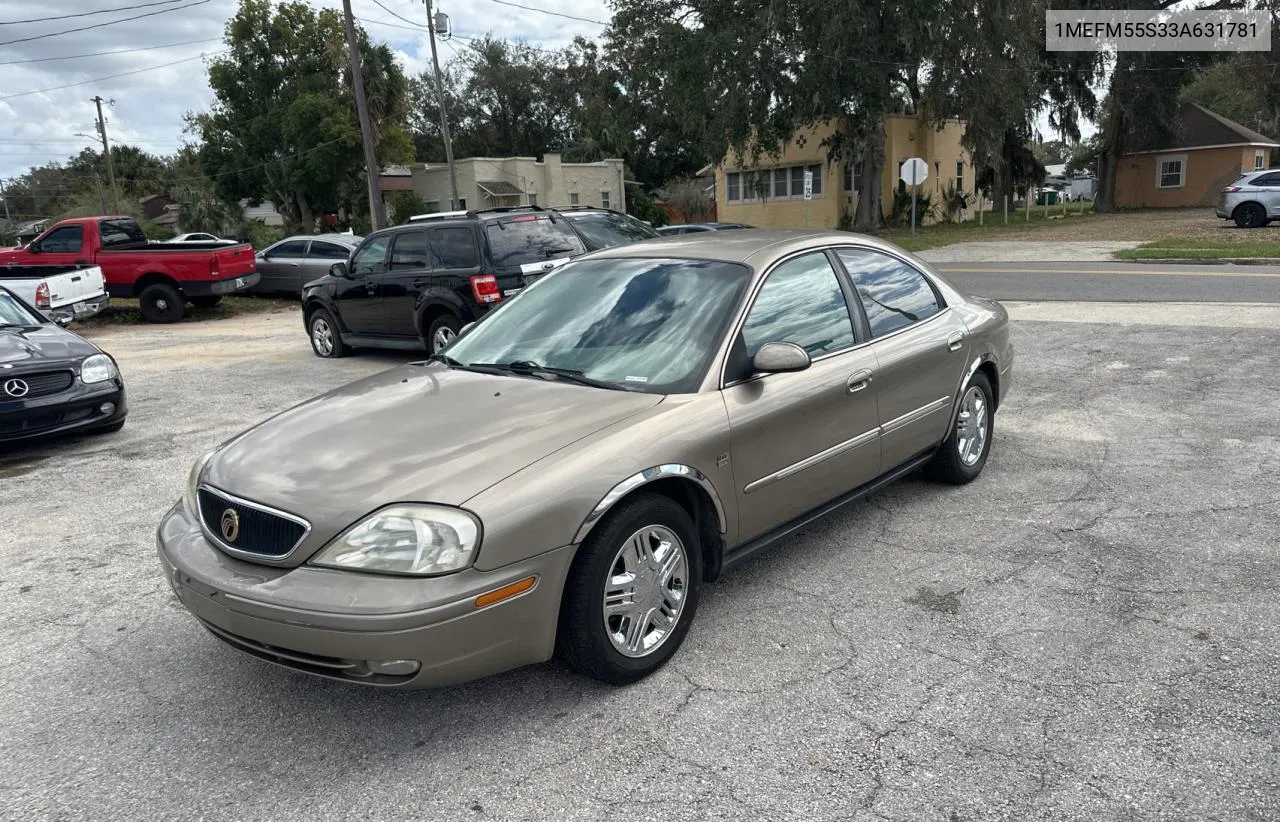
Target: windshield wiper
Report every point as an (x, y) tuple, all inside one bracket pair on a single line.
[(477, 367), (533, 369)]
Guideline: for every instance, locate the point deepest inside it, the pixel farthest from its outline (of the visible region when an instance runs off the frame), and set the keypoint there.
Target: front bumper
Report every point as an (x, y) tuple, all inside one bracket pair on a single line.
[(330, 623), (81, 310), (77, 409)]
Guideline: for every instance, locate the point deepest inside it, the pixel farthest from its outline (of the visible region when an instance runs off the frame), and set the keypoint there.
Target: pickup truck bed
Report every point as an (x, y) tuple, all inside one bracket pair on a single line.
[(60, 292)]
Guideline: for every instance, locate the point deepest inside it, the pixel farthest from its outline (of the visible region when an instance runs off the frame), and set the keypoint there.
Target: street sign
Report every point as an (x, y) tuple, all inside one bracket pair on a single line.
[(808, 185), (914, 171)]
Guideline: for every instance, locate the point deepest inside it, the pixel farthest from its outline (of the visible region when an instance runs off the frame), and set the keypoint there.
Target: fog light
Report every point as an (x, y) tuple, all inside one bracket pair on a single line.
[(107, 408), (393, 667)]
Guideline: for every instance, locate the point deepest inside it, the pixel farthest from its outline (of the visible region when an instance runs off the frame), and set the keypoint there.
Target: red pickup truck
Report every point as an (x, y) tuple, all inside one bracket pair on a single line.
[(164, 277)]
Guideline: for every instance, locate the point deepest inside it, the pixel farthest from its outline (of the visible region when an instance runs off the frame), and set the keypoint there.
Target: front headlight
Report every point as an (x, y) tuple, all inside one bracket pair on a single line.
[(97, 368), (422, 540), (193, 483)]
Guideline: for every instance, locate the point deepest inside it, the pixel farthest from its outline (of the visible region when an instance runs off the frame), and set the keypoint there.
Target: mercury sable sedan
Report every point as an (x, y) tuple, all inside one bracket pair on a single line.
[(565, 476)]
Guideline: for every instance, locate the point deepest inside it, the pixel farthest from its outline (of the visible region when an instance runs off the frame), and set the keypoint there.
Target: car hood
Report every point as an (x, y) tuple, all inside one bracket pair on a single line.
[(41, 344), (411, 434)]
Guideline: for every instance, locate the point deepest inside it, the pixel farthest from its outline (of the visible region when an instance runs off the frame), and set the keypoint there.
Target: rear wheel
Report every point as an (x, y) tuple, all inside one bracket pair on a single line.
[(441, 331), (632, 591), (161, 303), (208, 301), (1250, 215), (325, 340), (963, 454)]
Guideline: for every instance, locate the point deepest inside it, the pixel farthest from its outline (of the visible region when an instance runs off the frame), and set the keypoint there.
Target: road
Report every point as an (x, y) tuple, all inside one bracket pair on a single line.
[(1117, 282), (1087, 632)]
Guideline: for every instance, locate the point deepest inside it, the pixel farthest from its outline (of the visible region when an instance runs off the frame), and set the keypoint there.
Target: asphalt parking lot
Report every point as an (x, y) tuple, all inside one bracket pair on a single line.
[(1090, 631)]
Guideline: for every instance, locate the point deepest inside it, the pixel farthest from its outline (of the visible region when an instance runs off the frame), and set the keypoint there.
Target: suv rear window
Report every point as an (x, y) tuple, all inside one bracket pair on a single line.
[(604, 229), (530, 238)]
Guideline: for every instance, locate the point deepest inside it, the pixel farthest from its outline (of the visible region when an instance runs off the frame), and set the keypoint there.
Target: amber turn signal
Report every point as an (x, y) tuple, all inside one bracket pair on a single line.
[(505, 592)]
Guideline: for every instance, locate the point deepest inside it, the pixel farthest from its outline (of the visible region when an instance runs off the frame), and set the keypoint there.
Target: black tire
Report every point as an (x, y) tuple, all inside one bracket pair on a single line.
[(207, 301), (948, 465), (444, 325), (1250, 215), (161, 303), (322, 331), (582, 640)]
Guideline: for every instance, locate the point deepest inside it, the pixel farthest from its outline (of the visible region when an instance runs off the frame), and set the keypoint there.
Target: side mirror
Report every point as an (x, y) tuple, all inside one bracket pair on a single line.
[(779, 358), (338, 270)]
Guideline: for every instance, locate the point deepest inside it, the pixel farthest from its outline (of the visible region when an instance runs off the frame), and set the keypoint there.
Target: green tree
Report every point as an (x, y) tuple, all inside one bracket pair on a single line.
[(689, 198), (201, 209)]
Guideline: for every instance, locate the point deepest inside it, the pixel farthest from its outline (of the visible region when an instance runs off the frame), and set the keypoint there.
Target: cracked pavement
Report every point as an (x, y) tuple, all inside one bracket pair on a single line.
[(1089, 631)]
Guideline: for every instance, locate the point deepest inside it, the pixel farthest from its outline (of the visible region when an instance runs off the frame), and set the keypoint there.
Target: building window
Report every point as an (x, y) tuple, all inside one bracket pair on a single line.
[(604, 199), (732, 187), (462, 204), (797, 181), (1259, 163), (573, 199), (959, 176), (817, 181), (780, 183), (1171, 171), (533, 199), (852, 178)]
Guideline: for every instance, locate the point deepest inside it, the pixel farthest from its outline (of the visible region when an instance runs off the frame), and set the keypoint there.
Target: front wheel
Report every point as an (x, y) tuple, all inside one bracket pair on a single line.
[(325, 340), (161, 303), (632, 591), (962, 455), (1250, 215)]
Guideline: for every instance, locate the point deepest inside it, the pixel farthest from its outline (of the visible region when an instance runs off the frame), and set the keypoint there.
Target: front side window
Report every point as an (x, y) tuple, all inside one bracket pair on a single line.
[(372, 257), (1171, 172), (643, 324), (801, 302), (605, 230), (893, 294), (289, 248), (454, 248), (67, 239), (409, 251)]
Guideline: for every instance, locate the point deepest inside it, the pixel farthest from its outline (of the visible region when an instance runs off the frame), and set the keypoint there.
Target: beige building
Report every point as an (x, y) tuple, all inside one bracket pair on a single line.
[(1209, 152), (771, 194), (487, 182)]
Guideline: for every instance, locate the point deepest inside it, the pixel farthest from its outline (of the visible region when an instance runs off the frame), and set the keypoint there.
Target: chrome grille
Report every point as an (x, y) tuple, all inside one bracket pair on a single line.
[(259, 531)]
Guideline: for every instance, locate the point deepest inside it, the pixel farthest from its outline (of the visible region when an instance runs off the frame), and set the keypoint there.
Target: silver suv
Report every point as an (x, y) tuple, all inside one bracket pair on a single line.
[(1253, 200)]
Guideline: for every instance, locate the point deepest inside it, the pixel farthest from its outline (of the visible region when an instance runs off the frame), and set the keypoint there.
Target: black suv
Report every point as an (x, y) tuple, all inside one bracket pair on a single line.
[(604, 228), (416, 285)]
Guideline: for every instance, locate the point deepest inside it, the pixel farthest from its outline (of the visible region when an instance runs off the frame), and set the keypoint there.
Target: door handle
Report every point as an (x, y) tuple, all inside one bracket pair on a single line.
[(955, 341), (858, 381)]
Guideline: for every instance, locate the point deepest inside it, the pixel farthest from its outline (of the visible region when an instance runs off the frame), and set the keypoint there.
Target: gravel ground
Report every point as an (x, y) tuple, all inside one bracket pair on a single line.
[(1087, 632)]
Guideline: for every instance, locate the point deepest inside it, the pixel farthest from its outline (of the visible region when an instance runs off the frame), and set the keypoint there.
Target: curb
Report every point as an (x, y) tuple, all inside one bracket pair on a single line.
[(1209, 261)]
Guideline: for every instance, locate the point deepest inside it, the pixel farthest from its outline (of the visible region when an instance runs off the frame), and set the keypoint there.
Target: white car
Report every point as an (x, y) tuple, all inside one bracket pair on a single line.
[(200, 237), (61, 292)]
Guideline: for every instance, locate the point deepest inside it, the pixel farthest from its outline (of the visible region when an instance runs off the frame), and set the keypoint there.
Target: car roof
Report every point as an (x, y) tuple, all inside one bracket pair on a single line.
[(747, 246), (333, 237)]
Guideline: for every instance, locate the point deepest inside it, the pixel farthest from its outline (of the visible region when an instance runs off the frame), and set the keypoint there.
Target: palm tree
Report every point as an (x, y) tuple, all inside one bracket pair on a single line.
[(203, 210)]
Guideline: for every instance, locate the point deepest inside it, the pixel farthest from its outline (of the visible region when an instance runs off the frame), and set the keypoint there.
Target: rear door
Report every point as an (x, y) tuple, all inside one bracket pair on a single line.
[(920, 347), (1268, 192), (281, 266), (455, 259), (359, 296), (524, 247), (321, 256), (406, 276)]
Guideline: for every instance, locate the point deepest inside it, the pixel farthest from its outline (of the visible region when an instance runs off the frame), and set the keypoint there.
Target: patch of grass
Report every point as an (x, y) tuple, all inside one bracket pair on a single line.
[(993, 227), (124, 310), (1227, 247)]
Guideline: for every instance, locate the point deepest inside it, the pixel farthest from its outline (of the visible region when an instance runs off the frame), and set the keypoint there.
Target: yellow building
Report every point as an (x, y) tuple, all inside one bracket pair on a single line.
[(771, 194), (1208, 152)]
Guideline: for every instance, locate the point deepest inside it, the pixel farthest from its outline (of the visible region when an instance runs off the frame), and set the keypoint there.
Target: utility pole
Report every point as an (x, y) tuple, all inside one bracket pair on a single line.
[(444, 111), (106, 152), (377, 213), (6, 203)]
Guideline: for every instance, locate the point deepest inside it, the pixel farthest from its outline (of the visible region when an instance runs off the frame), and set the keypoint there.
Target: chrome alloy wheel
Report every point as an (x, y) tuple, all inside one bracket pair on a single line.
[(645, 591), (441, 339), (972, 425), (322, 336)]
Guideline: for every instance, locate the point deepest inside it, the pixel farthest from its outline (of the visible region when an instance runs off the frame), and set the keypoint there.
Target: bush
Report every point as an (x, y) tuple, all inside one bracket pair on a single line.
[(262, 235), (404, 204), (901, 213)]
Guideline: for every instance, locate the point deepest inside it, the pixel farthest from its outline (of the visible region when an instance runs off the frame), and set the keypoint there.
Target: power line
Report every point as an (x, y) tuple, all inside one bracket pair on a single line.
[(543, 11), (109, 76), (378, 3), (85, 13), (101, 25), (117, 51)]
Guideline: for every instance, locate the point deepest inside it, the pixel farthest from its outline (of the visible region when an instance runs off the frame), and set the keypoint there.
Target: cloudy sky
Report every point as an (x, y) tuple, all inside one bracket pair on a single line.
[(40, 122)]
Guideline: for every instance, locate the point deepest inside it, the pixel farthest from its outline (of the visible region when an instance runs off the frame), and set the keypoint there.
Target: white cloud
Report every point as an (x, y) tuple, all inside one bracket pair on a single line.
[(150, 104)]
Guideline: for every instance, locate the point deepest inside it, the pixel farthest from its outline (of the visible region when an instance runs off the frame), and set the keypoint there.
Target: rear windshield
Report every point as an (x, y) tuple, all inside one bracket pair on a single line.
[(120, 233), (605, 230), (529, 239)]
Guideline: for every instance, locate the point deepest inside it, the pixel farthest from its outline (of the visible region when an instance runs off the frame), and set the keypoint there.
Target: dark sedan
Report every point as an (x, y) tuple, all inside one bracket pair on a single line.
[(51, 380)]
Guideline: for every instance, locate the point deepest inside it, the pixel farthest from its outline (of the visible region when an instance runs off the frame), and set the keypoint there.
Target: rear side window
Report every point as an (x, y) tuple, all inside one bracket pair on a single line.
[(116, 233), (1267, 180), (67, 239), (454, 248), (529, 239), (328, 251), (409, 251), (291, 248), (893, 294)]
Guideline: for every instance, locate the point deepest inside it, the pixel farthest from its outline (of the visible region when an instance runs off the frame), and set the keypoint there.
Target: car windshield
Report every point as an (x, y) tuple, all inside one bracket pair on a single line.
[(605, 230), (641, 324), (13, 312), (531, 238)]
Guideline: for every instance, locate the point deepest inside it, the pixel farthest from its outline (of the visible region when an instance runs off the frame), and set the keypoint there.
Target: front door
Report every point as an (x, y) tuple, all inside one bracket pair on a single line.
[(920, 347), (62, 246), (800, 439), (321, 255), (359, 293), (405, 278), (280, 266)]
